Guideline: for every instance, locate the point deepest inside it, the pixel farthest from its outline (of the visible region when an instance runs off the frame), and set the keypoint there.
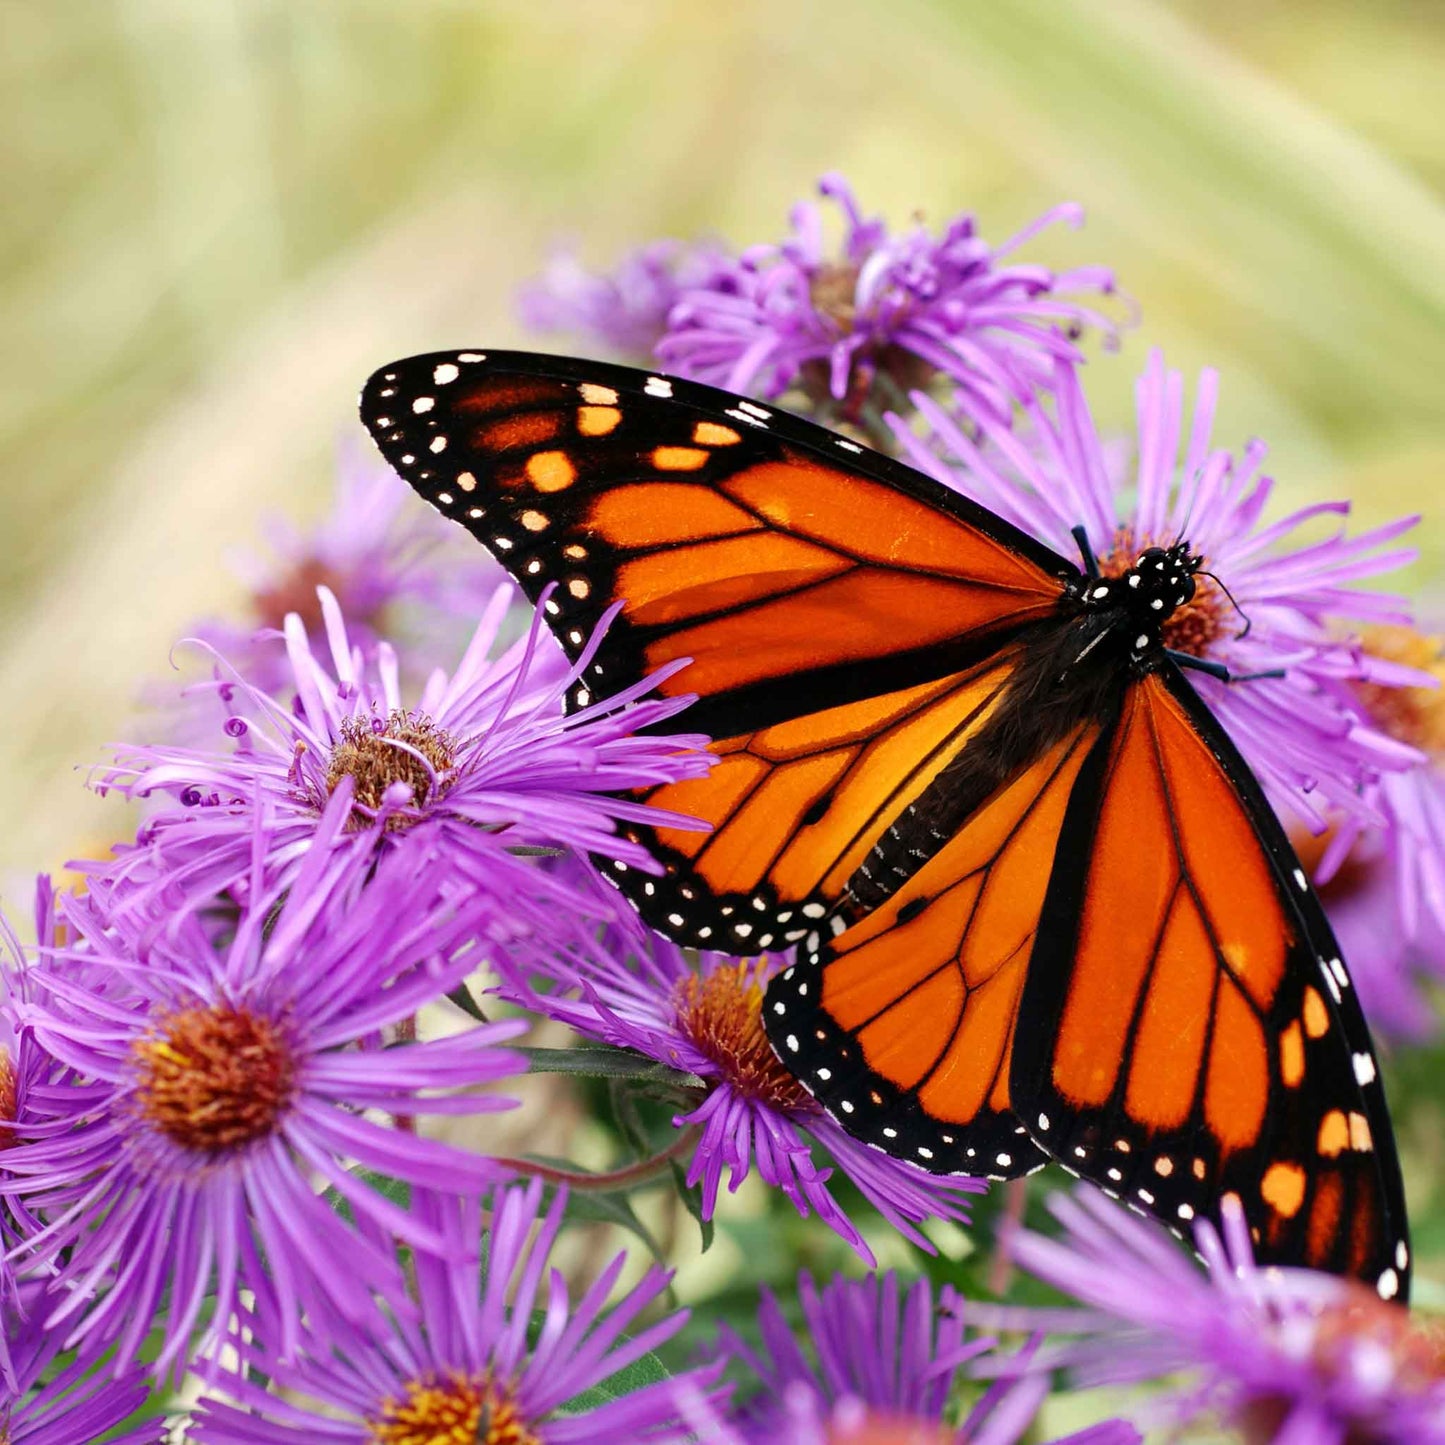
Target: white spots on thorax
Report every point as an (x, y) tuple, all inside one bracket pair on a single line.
[(1364, 1069), (1133, 579), (658, 386), (1099, 593), (423, 404), (445, 372)]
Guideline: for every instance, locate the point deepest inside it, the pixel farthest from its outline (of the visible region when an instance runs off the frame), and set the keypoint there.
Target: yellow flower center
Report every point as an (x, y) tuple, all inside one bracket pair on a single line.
[(8, 1103), (214, 1079), (1414, 715), (722, 1013), (455, 1409), (407, 748)]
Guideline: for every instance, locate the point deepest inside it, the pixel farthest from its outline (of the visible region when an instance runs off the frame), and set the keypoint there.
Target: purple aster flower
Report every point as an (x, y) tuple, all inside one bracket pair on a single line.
[(226, 1071), (483, 764), (1384, 888), (902, 308), (624, 312), (884, 1368), (1291, 1357), (505, 1365), (383, 557), (43, 1405), (706, 1020), (1300, 733)]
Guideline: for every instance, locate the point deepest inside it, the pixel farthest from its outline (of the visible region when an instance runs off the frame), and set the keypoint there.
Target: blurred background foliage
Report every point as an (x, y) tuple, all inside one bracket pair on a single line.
[(220, 217)]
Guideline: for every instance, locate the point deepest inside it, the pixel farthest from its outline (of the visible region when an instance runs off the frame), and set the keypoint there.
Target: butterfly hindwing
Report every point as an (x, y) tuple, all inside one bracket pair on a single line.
[(904, 1024), (845, 616), (1195, 1032)]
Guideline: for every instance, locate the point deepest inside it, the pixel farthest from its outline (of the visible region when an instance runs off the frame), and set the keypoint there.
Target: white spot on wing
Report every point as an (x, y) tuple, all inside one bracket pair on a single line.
[(445, 372), (423, 404)]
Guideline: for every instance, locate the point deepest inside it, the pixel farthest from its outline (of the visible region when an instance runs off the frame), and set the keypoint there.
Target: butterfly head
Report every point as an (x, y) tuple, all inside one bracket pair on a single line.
[(1147, 593)]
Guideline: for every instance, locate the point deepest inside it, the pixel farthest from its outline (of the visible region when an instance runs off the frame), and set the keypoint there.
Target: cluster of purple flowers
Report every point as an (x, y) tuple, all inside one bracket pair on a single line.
[(222, 1054)]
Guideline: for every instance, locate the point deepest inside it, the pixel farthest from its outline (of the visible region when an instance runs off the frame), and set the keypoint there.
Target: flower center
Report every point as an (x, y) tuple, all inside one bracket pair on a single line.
[(214, 1079), (890, 1430), (1360, 1331), (834, 293), (9, 1105), (722, 1013), (296, 592), (454, 1409), (1414, 715), (1193, 627), (405, 748)]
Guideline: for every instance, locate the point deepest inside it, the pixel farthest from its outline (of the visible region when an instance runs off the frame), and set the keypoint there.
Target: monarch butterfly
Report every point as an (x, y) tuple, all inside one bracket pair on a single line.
[(1044, 908)]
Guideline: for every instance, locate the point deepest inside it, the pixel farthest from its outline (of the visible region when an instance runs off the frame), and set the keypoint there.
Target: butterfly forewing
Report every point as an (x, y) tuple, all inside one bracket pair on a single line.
[(843, 616)]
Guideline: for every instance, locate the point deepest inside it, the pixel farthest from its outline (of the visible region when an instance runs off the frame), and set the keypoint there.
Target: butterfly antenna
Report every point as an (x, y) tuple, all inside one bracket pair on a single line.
[(1219, 582)]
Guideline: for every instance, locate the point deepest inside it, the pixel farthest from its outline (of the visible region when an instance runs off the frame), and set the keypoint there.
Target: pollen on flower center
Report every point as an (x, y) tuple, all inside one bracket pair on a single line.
[(1414, 715), (454, 1409), (889, 1430), (833, 291), (8, 1104), (722, 1013), (405, 748), (214, 1079), (1192, 628)]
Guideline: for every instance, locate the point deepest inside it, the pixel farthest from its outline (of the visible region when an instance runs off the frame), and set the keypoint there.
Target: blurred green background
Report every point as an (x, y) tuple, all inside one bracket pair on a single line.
[(221, 216)]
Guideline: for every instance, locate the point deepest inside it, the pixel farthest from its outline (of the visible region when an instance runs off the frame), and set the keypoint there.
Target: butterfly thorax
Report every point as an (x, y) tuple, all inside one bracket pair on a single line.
[(1073, 670)]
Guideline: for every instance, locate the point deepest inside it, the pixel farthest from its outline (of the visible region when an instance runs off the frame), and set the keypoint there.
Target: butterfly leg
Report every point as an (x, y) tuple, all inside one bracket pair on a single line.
[(1217, 669), (1091, 563)]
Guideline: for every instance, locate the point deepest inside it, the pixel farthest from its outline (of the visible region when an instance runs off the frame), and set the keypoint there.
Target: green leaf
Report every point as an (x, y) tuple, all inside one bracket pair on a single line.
[(647, 1370), (691, 1197), (461, 995), (605, 1063)]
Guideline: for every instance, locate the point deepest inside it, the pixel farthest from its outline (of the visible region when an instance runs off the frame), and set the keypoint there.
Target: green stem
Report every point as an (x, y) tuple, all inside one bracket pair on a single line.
[(613, 1181), (606, 1064)]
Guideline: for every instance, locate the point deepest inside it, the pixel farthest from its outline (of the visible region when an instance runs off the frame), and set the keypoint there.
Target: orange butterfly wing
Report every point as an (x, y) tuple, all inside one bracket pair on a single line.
[(1195, 1032), (847, 619), (904, 1025)]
